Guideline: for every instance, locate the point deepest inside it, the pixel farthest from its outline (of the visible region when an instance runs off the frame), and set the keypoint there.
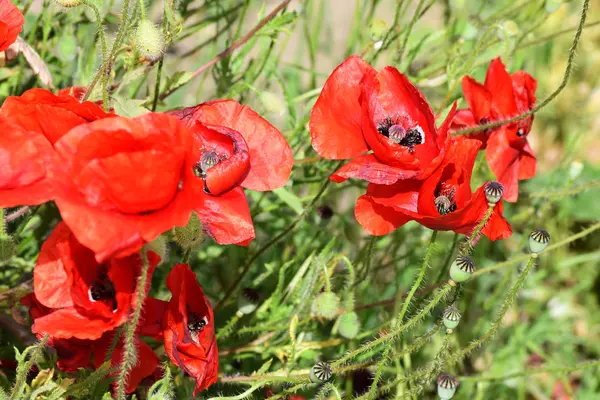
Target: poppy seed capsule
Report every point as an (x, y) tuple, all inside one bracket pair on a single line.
[(443, 204), (538, 240), (349, 325), (396, 133), (149, 40), (451, 317), (446, 387), (189, 235), (493, 192), (326, 305), (248, 300), (462, 268), (320, 372)]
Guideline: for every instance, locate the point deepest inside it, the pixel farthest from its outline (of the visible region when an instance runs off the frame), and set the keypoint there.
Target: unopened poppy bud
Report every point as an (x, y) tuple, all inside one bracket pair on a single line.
[(326, 305), (248, 301), (7, 248), (189, 235), (272, 103), (493, 192), (511, 28), (320, 372), (149, 40), (69, 3), (451, 317), (349, 325), (446, 387), (462, 268), (538, 240), (159, 246)]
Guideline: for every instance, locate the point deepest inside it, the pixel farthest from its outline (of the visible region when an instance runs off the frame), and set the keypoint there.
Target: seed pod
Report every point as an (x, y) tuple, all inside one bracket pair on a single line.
[(538, 240), (349, 325), (248, 300), (320, 372), (462, 268), (159, 246), (149, 40), (447, 385), (189, 235), (451, 317), (493, 192), (326, 305)]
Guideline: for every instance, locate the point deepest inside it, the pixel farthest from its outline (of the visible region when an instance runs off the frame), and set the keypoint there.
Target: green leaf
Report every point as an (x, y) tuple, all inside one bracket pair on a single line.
[(290, 199), (129, 107)]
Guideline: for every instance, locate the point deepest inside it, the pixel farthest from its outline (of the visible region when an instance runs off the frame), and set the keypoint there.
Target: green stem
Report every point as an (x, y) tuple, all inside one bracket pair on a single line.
[(130, 351), (468, 246), (186, 255), (409, 31), (102, 45), (226, 330), (157, 85), (142, 10), (22, 371), (533, 371), (2, 223), (552, 96)]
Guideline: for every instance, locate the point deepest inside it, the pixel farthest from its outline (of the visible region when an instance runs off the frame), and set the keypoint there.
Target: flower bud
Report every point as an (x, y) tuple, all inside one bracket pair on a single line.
[(538, 240), (451, 317), (462, 268), (326, 305), (69, 3), (159, 246), (189, 235), (273, 103), (7, 248), (446, 386), (149, 40), (248, 300), (349, 325), (320, 372), (493, 192)]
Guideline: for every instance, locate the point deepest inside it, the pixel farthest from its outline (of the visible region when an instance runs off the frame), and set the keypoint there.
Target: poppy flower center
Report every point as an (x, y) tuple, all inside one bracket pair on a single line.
[(208, 159), (102, 289), (397, 132), (444, 199), (196, 324)]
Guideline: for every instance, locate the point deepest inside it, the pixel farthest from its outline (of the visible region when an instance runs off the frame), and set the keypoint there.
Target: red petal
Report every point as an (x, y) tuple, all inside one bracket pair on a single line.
[(271, 158), (11, 23), (376, 219), (67, 323), (499, 83), (524, 87), (226, 218), (478, 98), (367, 167), (463, 119), (335, 120), (152, 317), (527, 163), (504, 163)]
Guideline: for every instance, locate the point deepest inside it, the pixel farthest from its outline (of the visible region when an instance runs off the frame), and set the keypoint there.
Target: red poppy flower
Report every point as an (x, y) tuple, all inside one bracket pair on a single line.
[(239, 150), (39, 110), (189, 329), (78, 92), (502, 96), (86, 298), (27, 161), (361, 110), (136, 176), (11, 23), (442, 202)]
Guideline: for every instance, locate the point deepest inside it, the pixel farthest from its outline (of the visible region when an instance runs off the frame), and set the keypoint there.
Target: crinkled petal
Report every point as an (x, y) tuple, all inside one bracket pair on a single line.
[(367, 167), (478, 98), (503, 160), (499, 83), (377, 219)]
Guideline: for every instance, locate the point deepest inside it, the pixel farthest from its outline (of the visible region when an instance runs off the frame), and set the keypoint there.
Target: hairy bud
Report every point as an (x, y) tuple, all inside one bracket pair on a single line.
[(7, 248), (189, 235), (149, 40), (349, 325), (326, 305)]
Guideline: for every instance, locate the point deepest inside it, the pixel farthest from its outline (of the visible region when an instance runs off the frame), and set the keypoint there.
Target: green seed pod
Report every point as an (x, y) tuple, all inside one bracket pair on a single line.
[(462, 268), (189, 235), (320, 372), (446, 386), (248, 300), (349, 325), (326, 305), (149, 40), (538, 240), (69, 3), (7, 248), (159, 246), (493, 192), (451, 317)]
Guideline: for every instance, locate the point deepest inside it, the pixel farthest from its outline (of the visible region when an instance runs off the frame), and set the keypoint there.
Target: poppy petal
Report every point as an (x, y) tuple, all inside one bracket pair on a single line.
[(527, 163), (67, 323), (503, 160), (335, 120), (367, 167), (499, 82), (377, 219), (226, 218), (463, 118), (11, 23), (478, 98)]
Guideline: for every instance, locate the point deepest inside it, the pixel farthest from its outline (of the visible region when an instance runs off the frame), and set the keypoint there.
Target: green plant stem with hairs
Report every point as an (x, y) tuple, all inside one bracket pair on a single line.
[(552, 96), (104, 47), (130, 351), (468, 245), (228, 328), (22, 371)]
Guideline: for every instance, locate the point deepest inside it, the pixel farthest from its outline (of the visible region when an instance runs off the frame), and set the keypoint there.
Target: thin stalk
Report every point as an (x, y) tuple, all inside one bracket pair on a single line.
[(533, 371), (468, 246), (226, 330), (103, 46)]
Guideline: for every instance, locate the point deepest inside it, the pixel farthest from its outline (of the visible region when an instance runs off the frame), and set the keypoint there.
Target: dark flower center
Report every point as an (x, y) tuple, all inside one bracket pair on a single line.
[(102, 289), (196, 324), (444, 199), (485, 121), (392, 129), (208, 159)]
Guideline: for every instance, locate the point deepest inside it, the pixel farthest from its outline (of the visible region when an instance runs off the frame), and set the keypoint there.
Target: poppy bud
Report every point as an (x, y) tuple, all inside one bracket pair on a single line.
[(7, 248), (149, 40), (159, 246), (248, 300), (326, 305), (462, 268), (349, 325), (320, 372), (273, 103), (189, 235), (538, 240), (493, 192), (451, 317), (446, 386), (69, 3)]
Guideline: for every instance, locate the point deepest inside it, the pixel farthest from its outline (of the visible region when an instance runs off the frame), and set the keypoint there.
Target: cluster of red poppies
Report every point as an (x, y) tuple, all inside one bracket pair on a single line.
[(415, 170)]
